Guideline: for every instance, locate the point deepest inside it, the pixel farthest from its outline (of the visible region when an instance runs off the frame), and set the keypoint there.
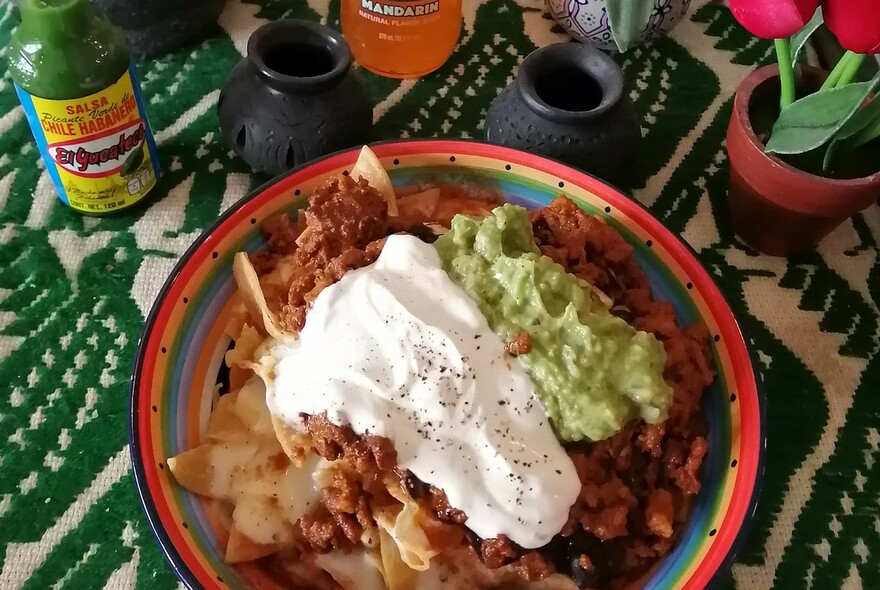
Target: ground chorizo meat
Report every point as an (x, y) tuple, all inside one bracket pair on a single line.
[(281, 233), (372, 456), (343, 228), (658, 514), (440, 506), (634, 480), (343, 220), (498, 552), (319, 532), (518, 343), (350, 496), (533, 566), (633, 484)]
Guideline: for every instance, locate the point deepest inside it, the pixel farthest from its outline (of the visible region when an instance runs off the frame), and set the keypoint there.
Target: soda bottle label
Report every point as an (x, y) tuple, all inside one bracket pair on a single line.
[(99, 150), (405, 9)]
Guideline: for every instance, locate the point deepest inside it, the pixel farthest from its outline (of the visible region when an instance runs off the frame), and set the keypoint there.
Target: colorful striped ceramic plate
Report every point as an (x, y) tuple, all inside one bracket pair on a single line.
[(182, 348)]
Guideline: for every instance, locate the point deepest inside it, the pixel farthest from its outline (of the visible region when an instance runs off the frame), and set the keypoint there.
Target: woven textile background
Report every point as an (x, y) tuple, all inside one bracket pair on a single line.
[(74, 292)]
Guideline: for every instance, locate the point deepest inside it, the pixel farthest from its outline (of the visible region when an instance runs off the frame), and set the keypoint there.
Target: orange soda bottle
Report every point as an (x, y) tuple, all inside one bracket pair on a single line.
[(401, 38)]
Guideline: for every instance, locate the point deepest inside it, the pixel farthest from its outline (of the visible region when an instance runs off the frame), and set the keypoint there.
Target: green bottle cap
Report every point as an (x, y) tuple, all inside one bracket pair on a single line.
[(56, 18), (66, 49)]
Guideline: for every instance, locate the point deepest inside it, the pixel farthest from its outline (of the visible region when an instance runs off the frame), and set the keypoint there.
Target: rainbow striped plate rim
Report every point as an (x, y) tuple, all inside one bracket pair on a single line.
[(182, 347)]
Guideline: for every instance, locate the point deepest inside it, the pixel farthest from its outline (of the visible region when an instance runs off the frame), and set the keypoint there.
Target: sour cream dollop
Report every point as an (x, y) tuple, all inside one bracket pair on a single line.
[(398, 350)]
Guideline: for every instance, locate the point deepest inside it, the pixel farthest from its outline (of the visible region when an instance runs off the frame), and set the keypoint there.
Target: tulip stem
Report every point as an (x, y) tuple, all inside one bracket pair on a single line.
[(786, 72), (852, 68), (834, 78), (834, 75)]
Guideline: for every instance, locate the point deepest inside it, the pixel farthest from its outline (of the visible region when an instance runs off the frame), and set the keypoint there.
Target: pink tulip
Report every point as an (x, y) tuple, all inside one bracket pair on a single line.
[(855, 23), (775, 19)]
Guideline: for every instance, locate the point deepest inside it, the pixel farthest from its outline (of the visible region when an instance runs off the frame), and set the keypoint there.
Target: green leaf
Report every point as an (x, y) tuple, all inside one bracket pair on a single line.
[(628, 20), (860, 120), (800, 38), (814, 119)]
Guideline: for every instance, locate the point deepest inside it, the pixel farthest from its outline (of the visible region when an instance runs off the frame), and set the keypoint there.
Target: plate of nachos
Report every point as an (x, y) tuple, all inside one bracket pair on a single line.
[(443, 364)]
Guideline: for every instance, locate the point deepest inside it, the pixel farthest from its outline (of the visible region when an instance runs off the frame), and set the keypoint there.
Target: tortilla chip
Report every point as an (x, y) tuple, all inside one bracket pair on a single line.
[(305, 235), (237, 319), (206, 471), (403, 526), (296, 571), (238, 359), (370, 169), (601, 297), (241, 548), (398, 575), (296, 445), (246, 345), (251, 409), (252, 294), (224, 424), (352, 570), (193, 470), (421, 205)]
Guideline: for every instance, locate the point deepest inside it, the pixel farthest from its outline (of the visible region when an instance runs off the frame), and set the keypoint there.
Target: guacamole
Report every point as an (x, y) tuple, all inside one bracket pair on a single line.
[(592, 371)]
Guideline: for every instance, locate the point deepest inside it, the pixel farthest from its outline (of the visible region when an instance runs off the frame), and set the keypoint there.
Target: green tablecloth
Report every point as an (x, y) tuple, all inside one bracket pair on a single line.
[(74, 292)]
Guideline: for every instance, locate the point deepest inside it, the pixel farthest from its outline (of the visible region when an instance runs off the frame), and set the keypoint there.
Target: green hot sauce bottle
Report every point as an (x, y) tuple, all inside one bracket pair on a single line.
[(75, 80)]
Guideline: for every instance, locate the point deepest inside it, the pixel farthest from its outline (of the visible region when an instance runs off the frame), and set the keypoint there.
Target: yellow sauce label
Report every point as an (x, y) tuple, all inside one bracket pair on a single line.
[(99, 149)]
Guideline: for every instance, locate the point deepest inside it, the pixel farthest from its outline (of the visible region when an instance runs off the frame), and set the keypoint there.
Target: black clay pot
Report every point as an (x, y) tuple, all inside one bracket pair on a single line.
[(568, 103), (293, 98), (154, 27)]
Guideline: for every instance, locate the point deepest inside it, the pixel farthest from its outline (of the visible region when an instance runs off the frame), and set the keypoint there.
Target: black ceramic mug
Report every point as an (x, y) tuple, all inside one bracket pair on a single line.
[(293, 98), (568, 103)]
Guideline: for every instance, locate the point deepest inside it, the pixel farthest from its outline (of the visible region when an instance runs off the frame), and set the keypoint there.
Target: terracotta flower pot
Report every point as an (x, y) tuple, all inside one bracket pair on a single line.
[(775, 207)]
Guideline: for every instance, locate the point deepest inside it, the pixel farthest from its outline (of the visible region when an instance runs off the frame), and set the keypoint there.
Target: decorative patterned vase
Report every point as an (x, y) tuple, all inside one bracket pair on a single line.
[(154, 27), (568, 103), (775, 207), (293, 98), (587, 20)]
